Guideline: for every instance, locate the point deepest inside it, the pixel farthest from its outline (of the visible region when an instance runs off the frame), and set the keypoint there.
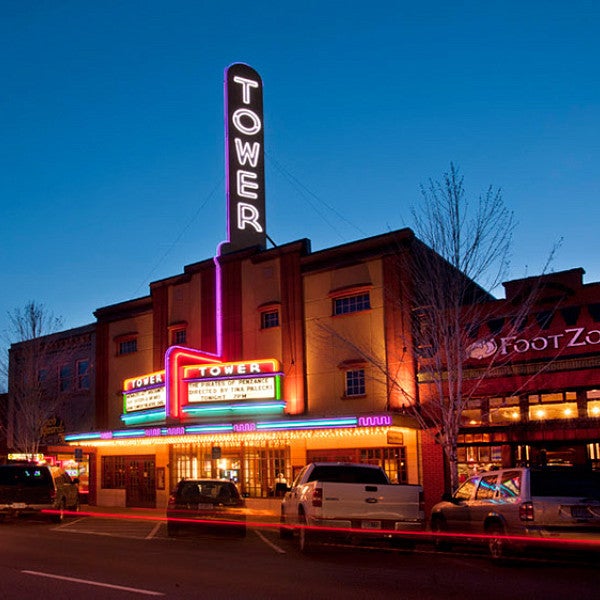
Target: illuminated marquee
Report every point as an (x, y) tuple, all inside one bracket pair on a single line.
[(256, 388), (244, 138), (144, 392), (235, 381)]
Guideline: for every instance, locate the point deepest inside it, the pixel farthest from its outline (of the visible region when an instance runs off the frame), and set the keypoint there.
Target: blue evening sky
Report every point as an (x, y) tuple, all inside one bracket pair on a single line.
[(112, 137)]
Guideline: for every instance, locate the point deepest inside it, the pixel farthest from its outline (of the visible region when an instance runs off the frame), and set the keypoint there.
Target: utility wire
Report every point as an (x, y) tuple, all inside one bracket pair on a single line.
[(308, 194), (189, 223)]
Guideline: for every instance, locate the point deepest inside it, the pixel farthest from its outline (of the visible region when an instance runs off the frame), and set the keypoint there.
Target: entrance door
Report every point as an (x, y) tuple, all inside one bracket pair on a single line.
[(140, 482)]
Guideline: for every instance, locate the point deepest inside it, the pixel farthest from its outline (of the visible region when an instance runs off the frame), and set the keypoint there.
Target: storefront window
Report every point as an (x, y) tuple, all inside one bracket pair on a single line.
[(113, 472), (593, 404), (254, 469), (560, 405), (472, 414), (504, 410)]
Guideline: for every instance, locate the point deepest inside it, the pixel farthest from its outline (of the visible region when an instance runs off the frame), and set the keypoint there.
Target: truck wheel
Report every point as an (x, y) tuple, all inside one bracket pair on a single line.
[(285, 533), (440, 542), (496, 545), (305, 536)]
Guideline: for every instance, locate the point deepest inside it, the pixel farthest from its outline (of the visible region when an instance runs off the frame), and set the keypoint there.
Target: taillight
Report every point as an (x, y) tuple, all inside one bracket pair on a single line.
[(172, 500), (317, 498), (526, 511)]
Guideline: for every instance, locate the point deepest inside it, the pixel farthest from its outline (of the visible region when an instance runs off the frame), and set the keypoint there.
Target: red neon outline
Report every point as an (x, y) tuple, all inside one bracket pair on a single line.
[(175, 358), (272, 362)]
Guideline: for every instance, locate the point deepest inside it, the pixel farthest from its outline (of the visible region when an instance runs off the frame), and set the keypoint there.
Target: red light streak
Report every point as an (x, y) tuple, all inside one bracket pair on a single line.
[(421, 536)]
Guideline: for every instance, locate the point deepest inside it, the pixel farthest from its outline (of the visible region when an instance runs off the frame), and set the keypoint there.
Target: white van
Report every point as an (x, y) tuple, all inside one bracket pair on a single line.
[(528, 505)]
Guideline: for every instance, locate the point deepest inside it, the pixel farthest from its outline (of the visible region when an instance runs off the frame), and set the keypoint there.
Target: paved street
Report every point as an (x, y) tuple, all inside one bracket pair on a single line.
[(109, 556)]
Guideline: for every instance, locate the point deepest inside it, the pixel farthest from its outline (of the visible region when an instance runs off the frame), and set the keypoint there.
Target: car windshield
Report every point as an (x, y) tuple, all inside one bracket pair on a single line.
[(572, 484), (24, 476)]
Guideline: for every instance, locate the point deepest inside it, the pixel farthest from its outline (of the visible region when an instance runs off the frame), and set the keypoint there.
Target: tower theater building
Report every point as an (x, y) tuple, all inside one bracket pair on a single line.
[(249, 365)]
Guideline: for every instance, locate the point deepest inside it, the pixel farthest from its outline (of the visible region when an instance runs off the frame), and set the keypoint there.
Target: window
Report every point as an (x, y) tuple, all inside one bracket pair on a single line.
[(269, 318), (487, 487), (561, 405), (113, 472), (128, 346), (465, 491), (351, 304), (179, 336), (82, 368), (65, 375), (392, 460), (510, 485), (355, 382)]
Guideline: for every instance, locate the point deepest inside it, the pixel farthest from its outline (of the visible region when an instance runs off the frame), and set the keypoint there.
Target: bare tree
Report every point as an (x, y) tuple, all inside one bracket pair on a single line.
[(474, 240), (33, 400), (461, 250)]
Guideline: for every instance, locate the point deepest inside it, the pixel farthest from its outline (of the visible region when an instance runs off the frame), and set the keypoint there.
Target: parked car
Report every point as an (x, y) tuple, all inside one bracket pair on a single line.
[(206, 506), (532, 506), (30, 489), (352, 502)]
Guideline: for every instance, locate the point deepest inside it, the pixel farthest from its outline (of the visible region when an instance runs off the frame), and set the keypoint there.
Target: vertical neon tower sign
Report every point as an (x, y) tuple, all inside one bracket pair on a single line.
[(245, 164)]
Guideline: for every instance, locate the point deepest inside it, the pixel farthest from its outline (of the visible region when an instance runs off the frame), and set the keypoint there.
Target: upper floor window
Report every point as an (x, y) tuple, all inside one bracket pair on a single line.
[(351, 304), (355, 382), (269, 314), (128, 346), (179, 336), (83, 374), (269, 318), (65, 375), (178, 333)]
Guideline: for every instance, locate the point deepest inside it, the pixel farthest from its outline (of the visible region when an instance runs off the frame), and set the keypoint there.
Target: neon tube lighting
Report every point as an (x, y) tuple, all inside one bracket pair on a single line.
[(153, 432), (331, 423), (73, 437), (252, 408), (129, 433), (208, 428), (236, 377), (143, 417)]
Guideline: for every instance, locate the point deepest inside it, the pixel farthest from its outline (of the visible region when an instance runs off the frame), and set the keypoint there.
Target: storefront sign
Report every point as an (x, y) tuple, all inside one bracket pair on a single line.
[(219, 390), (144, 392), (148, 398), (244, 138), (144, 381), (575, 337), (234, 369)]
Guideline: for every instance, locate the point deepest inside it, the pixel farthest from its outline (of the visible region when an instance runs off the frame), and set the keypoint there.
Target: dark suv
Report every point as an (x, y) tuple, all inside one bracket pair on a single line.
[(29, 489)]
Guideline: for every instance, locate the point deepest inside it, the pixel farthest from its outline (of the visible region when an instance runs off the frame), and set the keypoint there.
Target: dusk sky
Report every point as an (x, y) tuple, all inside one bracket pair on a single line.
[(111, 121)]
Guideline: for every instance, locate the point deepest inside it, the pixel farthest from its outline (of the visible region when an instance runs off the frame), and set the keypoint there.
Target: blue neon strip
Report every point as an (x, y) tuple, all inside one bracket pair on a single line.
[(73, 437), (143, 416), (129, 433), (208, 428), (350, 422), (345, 422)]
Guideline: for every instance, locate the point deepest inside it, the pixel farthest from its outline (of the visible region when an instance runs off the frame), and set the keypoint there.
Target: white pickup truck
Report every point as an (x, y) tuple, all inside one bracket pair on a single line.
[(353, 502)]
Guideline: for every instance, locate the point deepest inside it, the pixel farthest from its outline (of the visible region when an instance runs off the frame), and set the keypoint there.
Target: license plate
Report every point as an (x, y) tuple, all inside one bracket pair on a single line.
[(18, 505), (205, 506), (371, 524), (580, 512)]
